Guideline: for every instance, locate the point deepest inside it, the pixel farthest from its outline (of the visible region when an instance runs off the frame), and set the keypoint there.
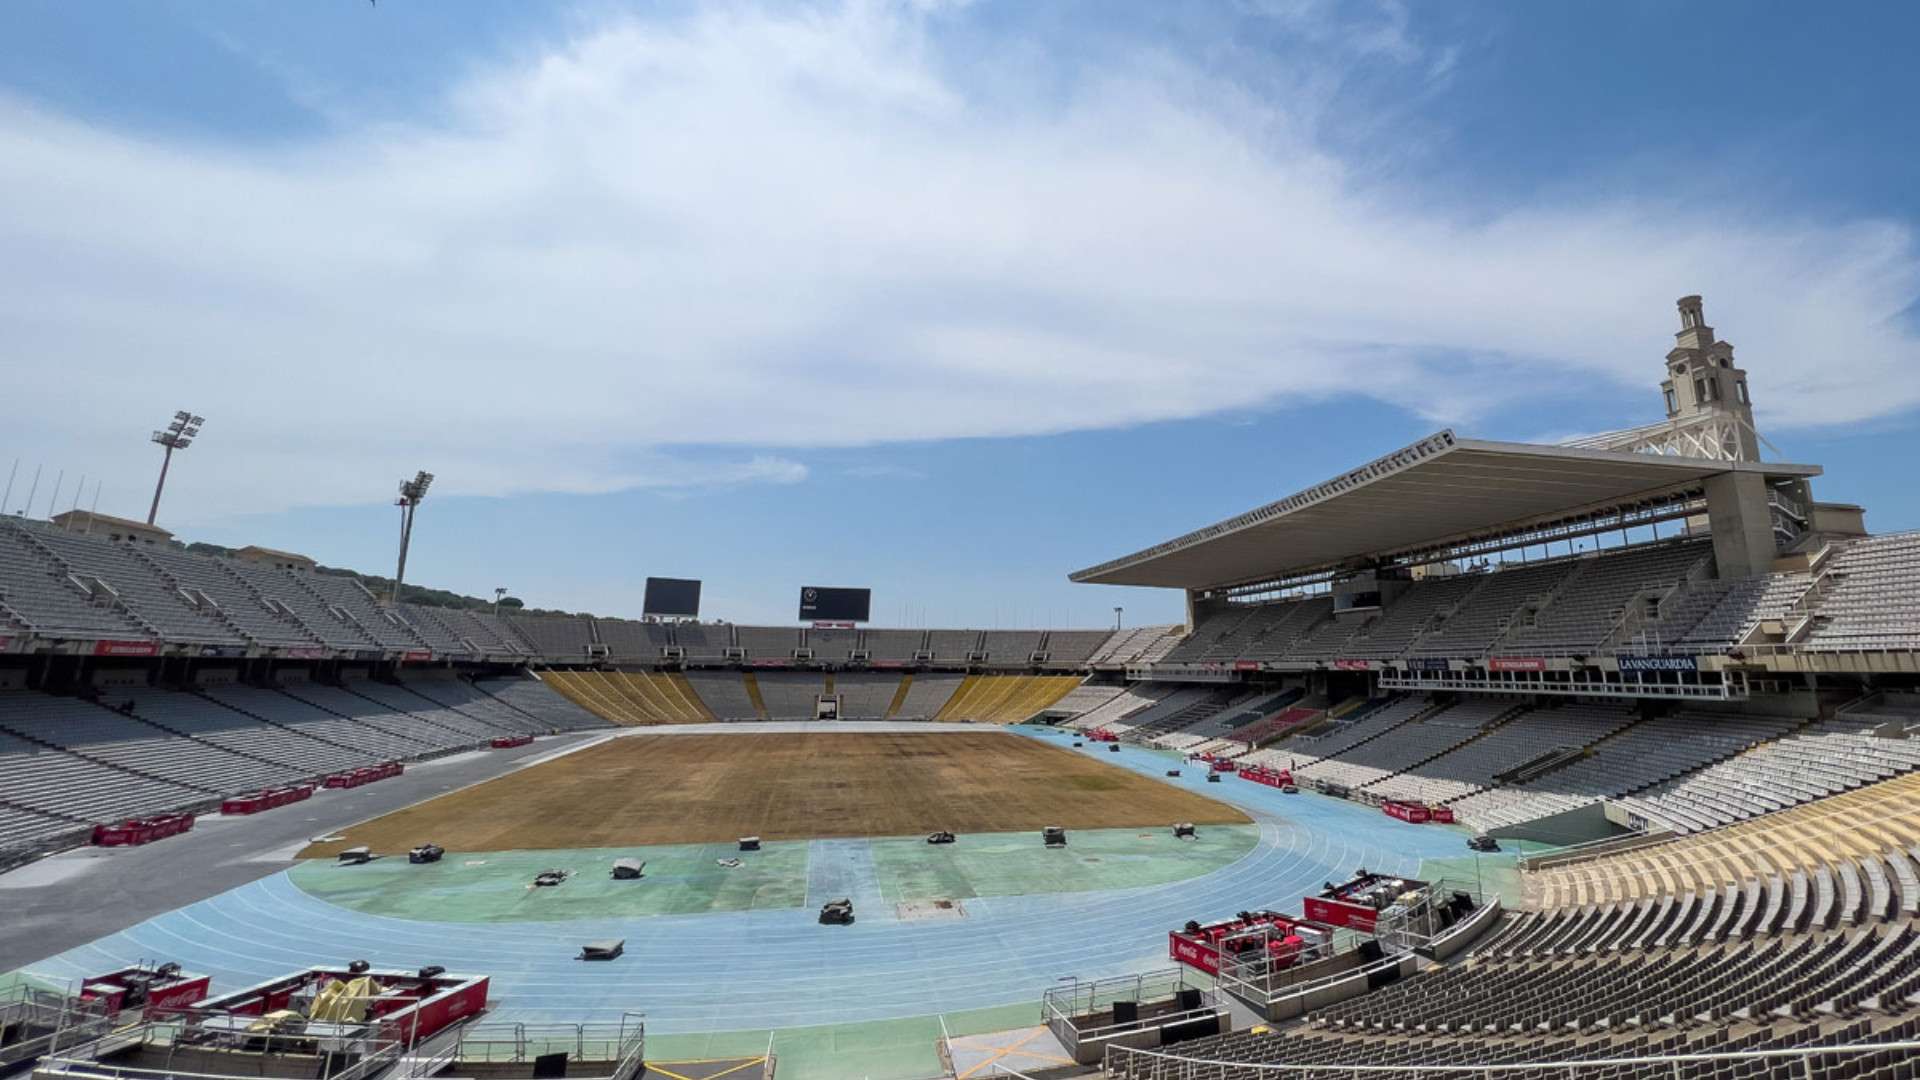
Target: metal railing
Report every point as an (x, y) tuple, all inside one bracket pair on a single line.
[(1161, 1065)]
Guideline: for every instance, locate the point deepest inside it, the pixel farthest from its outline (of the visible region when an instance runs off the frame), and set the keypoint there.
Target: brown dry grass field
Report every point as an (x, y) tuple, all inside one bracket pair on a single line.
[(682, 789)]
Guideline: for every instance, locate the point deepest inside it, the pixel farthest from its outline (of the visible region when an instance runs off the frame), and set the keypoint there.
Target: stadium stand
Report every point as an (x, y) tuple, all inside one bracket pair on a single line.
[(1432, 733), (285, 590), (208, 721), (347, 598), (1475, 765), (1010, 648), (865, 695), (1131, 700), (1083, 699), (1594, 595), (632, 698), (556, 637), (1638, 756), (893, 645), (1005, 699), (494, 638), (132, 585), (1074, 647), (725, 694), (1875, 588), (629, 641), (433, 631), (953, 646), (216, 586), (43, 596), (1239, 713), (791, 695), (927, 694), (540, 701), (834, 646), (703, 641), (133, 743), (767, 642), (1486, 613), (344, 701)]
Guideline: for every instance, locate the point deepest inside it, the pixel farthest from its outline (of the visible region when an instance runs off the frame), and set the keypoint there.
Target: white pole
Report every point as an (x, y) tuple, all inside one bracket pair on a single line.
[(8, 497)]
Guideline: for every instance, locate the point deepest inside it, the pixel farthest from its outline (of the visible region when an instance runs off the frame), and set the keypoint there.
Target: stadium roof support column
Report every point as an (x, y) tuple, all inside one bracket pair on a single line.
[(1742, 523)]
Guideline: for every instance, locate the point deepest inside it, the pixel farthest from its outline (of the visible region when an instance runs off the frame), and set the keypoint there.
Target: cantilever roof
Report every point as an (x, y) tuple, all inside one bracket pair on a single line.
[(1437, 491)]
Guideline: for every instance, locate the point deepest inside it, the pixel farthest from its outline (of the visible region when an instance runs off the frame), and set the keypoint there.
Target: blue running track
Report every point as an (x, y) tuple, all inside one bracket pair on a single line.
[(779, 968)]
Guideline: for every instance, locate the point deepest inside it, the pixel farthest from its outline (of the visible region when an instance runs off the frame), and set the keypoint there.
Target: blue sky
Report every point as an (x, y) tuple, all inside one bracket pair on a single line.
[(945, 298)]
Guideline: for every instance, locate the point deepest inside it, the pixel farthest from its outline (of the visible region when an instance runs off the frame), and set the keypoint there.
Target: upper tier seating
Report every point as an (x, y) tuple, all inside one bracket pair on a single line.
[(239, 602), (291, 591), (1010, 648), (346, 594), (1590, 602), (632, 642), (1142, 644), (953, 646), (893, 644), (1130, 699), (1074, 646), (1083, 699), (426, 624), (703, 641), (159, 607), (557, 637), (1484, 614), (1415, 612), (1875, 591), (487, 631), (39, 594), (834, 645), (1640, 756), (767, 642)]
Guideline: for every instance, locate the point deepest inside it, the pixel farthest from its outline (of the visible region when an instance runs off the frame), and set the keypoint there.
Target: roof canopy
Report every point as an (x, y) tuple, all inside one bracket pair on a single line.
[(1438, 491)]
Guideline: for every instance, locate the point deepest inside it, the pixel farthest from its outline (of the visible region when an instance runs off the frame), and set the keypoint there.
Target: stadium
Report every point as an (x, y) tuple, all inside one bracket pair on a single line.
[(1590, 759)]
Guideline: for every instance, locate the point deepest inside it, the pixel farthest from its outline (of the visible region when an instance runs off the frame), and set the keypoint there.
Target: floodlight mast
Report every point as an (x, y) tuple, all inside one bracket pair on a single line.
[(412, 493), (177, 436)]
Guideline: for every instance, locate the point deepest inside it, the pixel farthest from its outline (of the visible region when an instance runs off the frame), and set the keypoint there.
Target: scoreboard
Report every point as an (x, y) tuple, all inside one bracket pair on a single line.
[(821, 604)]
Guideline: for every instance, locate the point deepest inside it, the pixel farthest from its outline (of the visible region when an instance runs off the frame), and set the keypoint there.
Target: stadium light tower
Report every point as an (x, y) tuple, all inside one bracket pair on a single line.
[(1116, 617), (498, 592), (412, 493), (177, 436)]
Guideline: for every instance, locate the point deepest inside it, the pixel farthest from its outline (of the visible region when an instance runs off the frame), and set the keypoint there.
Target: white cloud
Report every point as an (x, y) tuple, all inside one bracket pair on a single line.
[(749, 230)]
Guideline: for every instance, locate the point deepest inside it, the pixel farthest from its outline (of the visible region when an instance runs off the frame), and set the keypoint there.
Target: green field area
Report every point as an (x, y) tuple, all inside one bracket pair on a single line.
[(686, 879), (1014, 864), (486, 887)]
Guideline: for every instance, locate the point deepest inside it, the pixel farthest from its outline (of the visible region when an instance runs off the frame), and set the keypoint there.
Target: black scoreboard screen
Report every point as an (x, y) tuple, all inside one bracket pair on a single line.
[(819, 604), (672, 597)]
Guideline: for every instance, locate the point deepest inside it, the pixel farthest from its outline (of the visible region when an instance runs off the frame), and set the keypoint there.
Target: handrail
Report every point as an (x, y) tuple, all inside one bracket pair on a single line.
[(1801, 1052)]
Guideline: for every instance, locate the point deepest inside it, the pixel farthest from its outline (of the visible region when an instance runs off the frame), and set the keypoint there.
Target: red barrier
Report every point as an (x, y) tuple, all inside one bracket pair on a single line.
[(164, 991), (1102, 735), (508, 742), (1266, 774), (1441, 814), (254, 802), (136, 831), (1413, 812)]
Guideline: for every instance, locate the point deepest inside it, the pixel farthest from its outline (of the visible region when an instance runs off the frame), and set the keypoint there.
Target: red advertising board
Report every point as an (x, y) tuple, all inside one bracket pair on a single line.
[(126, 648), (1193, 953), (416, 656), (1406, 811), (1352, 665), (1339, 913), (1516, 663), (1246, 665)]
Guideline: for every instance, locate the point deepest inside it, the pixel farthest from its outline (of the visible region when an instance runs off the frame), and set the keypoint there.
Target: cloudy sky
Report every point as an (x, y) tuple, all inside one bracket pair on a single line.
[(945, 298)]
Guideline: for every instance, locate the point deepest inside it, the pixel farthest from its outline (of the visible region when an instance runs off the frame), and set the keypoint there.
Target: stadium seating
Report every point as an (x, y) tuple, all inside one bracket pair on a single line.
[(291, 593), (953, 646), (1074, 647), (1639, 756), (542, 702), (347, 597), (208, 721), (895, 645), (1430, 734), (556, 637), (1083, 699), (1010, 648), (38, 775), (40, 594), (725, 694), (791, 695), (242, 605), (1141, 645), (865, 695), (703, 641), (927, 694), (832, 645), (628, 641), (138, 588), (633, 697), (1593, 595), (375, 741), (1005, 699), (1486, 612), (1239, 713), (767, 642), (133, 744), (1474, 765), (436, 732), (1875, 590)]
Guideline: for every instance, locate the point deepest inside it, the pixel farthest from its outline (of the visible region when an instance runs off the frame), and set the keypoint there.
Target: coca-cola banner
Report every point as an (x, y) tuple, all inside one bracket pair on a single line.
[(1516, 663)]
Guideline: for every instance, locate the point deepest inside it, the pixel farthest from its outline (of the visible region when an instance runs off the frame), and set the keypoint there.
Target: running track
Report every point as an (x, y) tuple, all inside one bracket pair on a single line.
[(778, 969)]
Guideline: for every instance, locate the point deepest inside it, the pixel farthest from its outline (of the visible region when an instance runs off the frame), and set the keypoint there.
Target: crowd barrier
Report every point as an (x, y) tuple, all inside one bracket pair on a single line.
[(508, 742), (365, 775), (254, 802), (135, 831)]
